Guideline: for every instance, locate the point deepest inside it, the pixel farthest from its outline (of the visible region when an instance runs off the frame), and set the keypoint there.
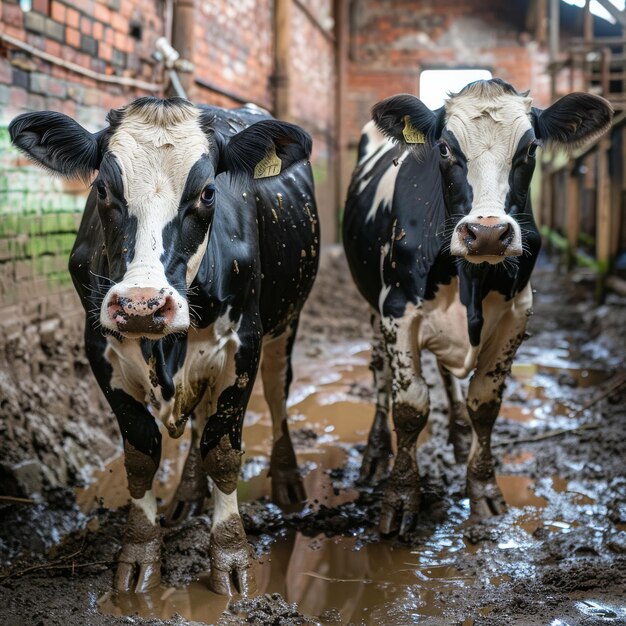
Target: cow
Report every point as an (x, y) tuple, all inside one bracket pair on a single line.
[(196, 251), (440, 239)]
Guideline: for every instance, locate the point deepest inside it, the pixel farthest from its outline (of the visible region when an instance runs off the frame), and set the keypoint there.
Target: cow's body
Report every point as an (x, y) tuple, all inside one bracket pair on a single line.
[(441, 241), (227, 267)]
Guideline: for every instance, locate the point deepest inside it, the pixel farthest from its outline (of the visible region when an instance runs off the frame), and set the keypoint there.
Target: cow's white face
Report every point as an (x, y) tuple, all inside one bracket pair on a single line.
[(155, 195), (490, 132), (155, 149), (486, 137)]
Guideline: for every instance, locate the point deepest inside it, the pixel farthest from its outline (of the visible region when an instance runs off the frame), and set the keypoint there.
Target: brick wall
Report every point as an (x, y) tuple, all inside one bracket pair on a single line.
[(392, 41)]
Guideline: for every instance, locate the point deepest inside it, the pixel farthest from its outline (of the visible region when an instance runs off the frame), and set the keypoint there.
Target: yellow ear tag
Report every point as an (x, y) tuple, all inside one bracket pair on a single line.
[(411, 134), (269, 165)]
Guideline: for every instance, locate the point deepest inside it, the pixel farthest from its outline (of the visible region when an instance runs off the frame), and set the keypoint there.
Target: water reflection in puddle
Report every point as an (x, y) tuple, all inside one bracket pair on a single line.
[(368, 583)]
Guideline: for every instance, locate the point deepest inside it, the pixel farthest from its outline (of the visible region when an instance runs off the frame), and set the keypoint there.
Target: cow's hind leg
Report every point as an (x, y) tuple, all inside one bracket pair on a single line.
[(460, 428), (276, 372), (410, 413), (377, 453), (193, 488)]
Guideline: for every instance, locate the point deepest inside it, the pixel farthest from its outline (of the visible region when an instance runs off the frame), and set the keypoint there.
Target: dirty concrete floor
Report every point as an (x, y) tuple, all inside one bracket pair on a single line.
[(557, 557)]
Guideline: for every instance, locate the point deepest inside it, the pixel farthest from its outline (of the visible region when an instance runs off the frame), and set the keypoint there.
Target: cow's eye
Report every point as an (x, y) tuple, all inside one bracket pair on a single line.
[(532, 148), (102, 190), (208, 194), (444, 150)]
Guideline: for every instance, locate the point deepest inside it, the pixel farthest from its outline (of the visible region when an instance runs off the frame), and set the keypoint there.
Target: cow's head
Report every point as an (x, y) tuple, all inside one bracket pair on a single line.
[(486, 137), (155, 189)]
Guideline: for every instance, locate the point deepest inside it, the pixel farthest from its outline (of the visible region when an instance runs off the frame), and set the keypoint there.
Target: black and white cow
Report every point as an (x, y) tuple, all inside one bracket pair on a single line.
[(191, 273), (441, 241)]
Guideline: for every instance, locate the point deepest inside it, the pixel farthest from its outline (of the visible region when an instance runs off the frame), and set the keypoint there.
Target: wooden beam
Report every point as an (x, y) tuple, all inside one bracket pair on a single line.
[(573, 214), (341, 14), (603, 207), (282, 44), (553, 43)]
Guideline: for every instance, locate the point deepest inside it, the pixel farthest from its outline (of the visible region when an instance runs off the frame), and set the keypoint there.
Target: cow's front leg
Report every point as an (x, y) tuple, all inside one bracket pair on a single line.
[(375, 464), (276, 372), (221, 457), (410, 413), (483, 404), (139, 563)]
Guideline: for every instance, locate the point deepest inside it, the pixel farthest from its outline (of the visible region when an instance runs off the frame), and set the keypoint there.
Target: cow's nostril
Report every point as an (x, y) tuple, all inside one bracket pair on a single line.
[(471, 231), (507, 232)]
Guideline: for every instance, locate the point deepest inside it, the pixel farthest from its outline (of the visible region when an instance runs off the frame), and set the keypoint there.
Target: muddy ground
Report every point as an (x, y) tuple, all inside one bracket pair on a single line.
[(557, 557)]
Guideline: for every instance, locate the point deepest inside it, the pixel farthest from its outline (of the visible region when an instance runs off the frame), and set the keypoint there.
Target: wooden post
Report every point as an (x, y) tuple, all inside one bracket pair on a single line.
[(541, 19), (282, 43), (340, 8), (573, 215), (603, 215), (554, 42), (183, 39)]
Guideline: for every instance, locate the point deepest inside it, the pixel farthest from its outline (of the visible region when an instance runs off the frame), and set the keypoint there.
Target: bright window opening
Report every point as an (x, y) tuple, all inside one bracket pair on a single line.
[(435, 85)]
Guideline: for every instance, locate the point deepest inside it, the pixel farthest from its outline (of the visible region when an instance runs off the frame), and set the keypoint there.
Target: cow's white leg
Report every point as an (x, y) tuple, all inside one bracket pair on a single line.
[(287, 486), (410, 412), (460, 428), (375, 464), (220, 448), (193, 487), (228, 545), (483, 404), (139, 563)]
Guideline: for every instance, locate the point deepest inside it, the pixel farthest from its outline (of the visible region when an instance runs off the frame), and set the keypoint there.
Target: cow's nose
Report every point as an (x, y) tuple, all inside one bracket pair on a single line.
[(486, 239), (141, 310)]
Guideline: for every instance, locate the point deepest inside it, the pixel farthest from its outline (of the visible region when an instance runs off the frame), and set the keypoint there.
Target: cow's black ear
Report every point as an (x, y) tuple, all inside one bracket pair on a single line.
[(573, 120), (264, 149), (406, 119), (56, 142)]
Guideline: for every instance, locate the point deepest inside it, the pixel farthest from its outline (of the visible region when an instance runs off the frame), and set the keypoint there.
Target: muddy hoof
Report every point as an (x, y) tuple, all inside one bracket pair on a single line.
[(227, 583), (230, 559), (400, 509), (485, 499), (139, 567), (288, 488), (374, 466)]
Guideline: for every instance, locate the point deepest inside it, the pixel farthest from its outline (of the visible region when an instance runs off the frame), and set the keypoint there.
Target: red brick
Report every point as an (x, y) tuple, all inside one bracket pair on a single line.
[(41, 6), (105, 51), (12, 15), (57, 11), (98, 30), (102, 13), (72, 18), (72, 37), (86, 26)]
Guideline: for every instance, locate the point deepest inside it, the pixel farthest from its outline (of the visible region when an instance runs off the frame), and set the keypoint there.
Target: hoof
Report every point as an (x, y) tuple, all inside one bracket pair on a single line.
[(400, 509), (485, 499), (230, 559), (227, 583), (137, 577), (287, 488), (374, 466)]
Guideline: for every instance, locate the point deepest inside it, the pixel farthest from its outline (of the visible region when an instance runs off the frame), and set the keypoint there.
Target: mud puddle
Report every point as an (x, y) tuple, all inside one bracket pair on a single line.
[(358, 581)]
